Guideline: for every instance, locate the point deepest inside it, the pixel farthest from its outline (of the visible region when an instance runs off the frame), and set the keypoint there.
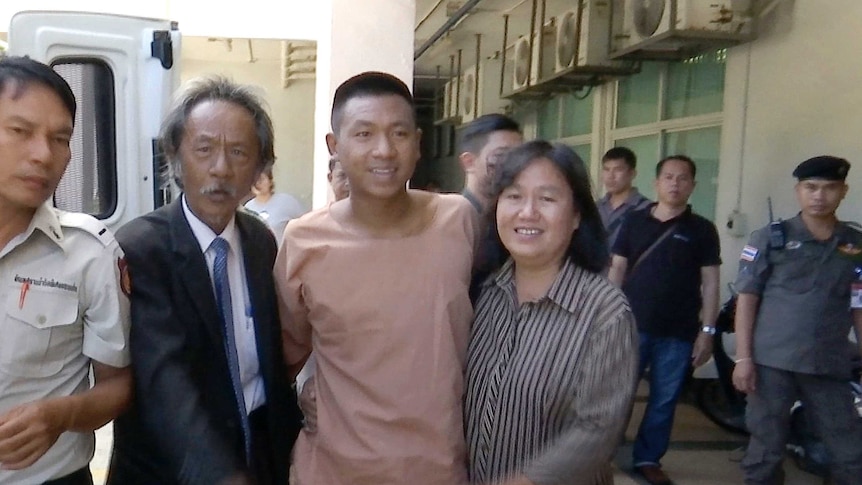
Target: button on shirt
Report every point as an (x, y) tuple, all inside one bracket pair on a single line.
[(243, 320), (62, 309), (804, 318)]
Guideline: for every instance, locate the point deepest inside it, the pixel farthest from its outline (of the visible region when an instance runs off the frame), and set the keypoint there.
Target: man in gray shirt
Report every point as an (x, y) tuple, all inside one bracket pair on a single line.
[(619, 169), (793, 318)]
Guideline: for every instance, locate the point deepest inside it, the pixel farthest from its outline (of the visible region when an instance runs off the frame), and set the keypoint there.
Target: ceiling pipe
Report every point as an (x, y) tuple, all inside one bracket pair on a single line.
[(454, 19)]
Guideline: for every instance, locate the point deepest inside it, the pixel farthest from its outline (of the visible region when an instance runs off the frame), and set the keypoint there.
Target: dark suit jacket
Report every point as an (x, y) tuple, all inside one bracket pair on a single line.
[(184, 424)]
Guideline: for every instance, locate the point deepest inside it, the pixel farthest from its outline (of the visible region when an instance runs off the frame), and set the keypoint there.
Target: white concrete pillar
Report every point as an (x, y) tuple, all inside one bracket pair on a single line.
[(371, 35)]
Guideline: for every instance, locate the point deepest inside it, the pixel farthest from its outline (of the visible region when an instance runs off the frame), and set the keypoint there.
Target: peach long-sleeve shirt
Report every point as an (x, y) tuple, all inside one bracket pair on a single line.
[(388, 320)]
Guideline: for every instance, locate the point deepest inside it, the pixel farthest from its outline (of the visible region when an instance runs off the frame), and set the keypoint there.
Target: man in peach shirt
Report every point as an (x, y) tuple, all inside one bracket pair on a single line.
[(377, 286)]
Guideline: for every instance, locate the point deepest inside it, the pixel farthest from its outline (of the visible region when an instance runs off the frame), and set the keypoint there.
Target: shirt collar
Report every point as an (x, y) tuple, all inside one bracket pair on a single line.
[(565, 291), (633, 199), (797, 231), (686, 213), (204, 234), (45, 220)]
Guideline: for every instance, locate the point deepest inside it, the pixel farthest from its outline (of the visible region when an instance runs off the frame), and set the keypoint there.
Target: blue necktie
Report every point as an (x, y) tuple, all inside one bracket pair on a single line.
[(222, 290)]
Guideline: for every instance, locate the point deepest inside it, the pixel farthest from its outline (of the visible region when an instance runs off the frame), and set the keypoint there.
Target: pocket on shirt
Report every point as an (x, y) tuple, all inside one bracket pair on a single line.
[(35, 324), (796, 270)]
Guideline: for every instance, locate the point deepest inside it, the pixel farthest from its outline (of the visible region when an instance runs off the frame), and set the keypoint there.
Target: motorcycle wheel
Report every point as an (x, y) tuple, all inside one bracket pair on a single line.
[(713, 401)]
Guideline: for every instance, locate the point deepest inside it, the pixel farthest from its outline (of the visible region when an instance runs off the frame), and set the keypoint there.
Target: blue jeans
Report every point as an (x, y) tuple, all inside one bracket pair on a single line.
[(669, 360)]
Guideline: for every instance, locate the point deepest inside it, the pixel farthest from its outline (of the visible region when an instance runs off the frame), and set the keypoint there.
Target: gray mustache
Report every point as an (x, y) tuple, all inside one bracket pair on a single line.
[(230, 190)]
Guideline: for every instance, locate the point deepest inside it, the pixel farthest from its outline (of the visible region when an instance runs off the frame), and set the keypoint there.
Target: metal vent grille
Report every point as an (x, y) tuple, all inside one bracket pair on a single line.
[(90, 182)]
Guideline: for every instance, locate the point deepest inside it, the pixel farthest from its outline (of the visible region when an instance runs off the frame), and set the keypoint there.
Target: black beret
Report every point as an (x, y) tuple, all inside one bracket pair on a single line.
[(823, 167)]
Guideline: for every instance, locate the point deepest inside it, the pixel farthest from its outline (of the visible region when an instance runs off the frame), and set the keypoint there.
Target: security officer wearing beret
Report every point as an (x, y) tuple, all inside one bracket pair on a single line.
[(793, 319), (63, 311)]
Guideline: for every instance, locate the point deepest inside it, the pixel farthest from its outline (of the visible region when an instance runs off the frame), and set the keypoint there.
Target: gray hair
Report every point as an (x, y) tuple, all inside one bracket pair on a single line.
[(213, 88)]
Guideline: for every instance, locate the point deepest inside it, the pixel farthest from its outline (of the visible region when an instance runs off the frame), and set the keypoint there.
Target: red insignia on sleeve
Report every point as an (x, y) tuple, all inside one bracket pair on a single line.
[(125, 280)]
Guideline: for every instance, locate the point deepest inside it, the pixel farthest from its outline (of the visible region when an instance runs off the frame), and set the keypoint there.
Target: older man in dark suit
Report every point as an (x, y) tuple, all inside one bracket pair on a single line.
[(213, 403)]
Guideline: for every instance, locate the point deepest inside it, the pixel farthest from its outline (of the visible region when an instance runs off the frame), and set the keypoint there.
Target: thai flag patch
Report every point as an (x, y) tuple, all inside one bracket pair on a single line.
[(748, 253)]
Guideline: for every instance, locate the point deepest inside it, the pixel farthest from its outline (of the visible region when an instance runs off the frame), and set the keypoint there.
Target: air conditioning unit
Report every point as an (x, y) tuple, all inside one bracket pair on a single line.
[(583, 39), (471, 86), (536, 66), (645, 22), (522, 70)]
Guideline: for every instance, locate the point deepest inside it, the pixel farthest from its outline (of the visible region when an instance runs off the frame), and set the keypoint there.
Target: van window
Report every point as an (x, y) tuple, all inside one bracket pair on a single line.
[(90, 182)]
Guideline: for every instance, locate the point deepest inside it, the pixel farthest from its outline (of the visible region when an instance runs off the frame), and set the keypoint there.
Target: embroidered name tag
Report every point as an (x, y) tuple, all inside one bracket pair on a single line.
[(50, 283)]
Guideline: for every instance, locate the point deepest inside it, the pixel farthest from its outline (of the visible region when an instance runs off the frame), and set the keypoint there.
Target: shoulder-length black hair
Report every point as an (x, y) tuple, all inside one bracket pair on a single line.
[(588, 246)]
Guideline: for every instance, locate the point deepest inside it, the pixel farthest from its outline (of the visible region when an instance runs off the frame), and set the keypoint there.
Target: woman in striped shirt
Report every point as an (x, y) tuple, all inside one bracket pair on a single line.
[(552, 362)]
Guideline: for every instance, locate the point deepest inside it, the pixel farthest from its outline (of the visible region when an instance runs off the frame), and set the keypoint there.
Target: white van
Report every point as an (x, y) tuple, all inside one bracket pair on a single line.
[(123, 71)]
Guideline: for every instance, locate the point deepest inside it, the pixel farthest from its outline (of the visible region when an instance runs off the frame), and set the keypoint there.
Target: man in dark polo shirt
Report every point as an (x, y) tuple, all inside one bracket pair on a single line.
[(666, 260), (792, 322)]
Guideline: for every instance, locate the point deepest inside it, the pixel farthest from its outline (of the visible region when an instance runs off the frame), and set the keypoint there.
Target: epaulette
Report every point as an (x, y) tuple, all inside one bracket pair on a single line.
[(87, 223)]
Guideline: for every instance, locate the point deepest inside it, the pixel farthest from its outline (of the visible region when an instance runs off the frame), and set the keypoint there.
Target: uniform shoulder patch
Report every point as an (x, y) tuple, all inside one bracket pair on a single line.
[(749, 253), (87, 223)]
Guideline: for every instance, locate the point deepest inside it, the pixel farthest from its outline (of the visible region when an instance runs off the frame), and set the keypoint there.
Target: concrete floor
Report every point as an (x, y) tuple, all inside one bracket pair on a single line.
[(700, 452)]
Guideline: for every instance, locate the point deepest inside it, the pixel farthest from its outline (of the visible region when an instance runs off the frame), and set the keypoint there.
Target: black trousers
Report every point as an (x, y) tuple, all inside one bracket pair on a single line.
[(262, 454), (80, 477)]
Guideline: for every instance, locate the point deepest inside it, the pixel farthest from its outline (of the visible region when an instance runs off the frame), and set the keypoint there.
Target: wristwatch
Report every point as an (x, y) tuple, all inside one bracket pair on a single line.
[(708, 329)]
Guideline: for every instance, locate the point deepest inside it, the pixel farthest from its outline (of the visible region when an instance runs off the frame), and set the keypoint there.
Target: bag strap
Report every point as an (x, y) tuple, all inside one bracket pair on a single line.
[(652, 247)]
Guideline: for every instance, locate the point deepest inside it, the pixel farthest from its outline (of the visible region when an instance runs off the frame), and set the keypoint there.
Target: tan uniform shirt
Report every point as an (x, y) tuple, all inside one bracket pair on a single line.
[(389, 321), (62, 307)]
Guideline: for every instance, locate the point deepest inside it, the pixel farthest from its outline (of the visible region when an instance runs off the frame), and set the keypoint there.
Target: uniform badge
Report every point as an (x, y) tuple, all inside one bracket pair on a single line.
[(793, 245), (850, 250), (125, 279), (749, 253)]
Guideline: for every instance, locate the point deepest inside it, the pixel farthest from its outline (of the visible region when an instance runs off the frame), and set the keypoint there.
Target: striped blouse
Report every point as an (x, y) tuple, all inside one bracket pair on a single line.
[(549, 383)]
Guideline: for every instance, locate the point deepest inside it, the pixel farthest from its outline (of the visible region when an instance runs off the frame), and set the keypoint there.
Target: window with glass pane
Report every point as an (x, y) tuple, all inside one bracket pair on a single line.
[(584, 151), (695, 86), (637, 96), (702, 146), (577, 117), (646, 150), (90, 182), (548, 119)]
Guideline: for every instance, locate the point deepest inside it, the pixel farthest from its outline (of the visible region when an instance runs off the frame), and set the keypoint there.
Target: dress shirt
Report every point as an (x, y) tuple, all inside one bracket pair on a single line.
[(62, 310), (243, 316)]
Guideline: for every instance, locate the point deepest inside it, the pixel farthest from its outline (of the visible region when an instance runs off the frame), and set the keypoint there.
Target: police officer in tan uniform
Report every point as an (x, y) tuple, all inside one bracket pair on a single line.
[(792, 324), (63, 311)]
